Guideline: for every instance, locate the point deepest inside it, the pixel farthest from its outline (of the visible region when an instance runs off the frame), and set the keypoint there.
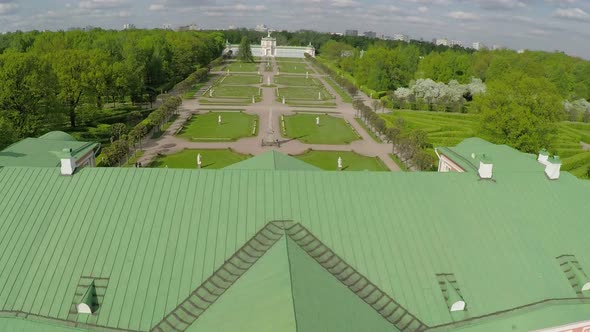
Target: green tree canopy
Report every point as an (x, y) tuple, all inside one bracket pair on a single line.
[(521, 111), (245, 52)]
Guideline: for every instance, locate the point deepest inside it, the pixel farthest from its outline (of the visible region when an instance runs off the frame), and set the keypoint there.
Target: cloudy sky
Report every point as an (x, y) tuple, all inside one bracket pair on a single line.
[(532, 24)]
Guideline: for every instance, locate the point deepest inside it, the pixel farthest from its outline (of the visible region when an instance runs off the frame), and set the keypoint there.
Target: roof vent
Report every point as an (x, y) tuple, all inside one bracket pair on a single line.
[(543, 157), (451, 292), (553, 167), (486, 167), (68, 164), (89, 301), (575, 275)]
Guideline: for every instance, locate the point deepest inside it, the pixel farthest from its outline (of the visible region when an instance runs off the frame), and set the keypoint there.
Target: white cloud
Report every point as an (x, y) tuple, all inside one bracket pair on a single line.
[(423, 9), (157, 7), (8, 8), (102, 4), (345, 3), (572, 13), (501, 4), (459, 15)]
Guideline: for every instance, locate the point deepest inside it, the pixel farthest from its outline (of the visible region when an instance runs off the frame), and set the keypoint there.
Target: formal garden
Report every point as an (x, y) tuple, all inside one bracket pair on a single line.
[(210, 159), (207, 126), (351, 161), (296, 81), (330, 130), (243, 67), (233, 79), (292, 67)]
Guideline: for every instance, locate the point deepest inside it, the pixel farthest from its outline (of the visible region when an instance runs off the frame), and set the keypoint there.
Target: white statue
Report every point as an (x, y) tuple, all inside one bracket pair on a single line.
[(317, 121), (210, 92), (219, 119), (268, 80), (306, 74), (199, 160), (319, 96), (283, 100), (339, 163), (253, 100)]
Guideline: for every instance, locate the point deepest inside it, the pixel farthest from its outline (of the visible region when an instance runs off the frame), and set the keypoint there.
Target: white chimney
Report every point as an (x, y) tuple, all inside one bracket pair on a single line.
[(486, 167), (543, 157), (68, 164), (552, 168)]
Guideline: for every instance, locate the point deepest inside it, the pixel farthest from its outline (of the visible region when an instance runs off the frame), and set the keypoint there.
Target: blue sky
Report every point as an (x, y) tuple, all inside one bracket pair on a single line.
[(529, 24)]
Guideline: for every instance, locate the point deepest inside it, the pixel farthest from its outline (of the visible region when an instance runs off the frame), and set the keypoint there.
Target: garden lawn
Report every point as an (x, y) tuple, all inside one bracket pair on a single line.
[(204, 127), (304, 93), (296, 81), (240, 79), (449, 129), (330, 131), (293, 67), (351, 161), (234, 91), (243, 67), (211, 159)]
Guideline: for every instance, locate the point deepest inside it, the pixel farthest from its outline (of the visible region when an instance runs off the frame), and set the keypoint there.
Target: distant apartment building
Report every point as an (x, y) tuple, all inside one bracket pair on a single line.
[(231, 27), (129, 26), (167, 26), (456, 43), (401, 37), (478, 46), (441, 42), (370, 34), (521, 51), (353, 33)]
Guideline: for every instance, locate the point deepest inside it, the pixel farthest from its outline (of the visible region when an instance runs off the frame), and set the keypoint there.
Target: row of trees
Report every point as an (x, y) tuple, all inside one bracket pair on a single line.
[(128, 140), (339, 79), (47, 77), (409, 145)]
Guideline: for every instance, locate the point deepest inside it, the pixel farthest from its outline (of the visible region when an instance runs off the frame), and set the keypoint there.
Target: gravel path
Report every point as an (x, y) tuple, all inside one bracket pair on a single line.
[(169, 144)]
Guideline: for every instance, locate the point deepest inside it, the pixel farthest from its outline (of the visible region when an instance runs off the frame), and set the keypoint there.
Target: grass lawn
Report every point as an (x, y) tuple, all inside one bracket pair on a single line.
[(211, 159), (296, 81), (304, 93), (204, 127), (330, 131), (300, 60), (233, 91), (351, 161), (240, 79), (449, 129), (292, 67), (243, 67)]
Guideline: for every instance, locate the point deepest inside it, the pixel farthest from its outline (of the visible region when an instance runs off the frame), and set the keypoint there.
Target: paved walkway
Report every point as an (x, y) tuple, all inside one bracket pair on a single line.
[(168, 143)]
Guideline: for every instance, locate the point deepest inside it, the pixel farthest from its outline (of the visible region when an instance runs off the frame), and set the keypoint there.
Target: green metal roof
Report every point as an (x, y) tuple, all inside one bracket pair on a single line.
[(152, 238), (58, 136), (43, 151), (273, 160), (504, 158)]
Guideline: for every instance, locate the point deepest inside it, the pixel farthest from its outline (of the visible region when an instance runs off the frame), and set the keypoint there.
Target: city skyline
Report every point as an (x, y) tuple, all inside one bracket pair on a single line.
[(518, 24)]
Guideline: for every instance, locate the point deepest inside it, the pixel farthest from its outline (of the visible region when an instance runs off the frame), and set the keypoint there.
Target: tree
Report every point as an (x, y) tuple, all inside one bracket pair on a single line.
[(28, 86), (423, 161), (118, 129), (77, 76), (520, 111), (245, 52), (7, 134)]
